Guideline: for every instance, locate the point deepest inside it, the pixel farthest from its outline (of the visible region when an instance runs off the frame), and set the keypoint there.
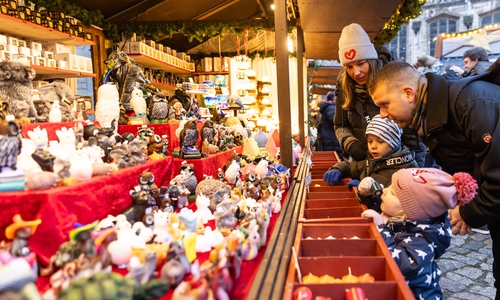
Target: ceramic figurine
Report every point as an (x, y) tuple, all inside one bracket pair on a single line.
[(147, 183), (55, 115), (220, 280), (176, 265), (156, 144), (108, 105), (165, 202), (158, 108), (224, 214), (195, 287), (191, 183), (139, 106), (164, 150), (10, 142), (223, 192), (251, 187), (19, 232), (142, 272), (261, 169), (232, 174), (189, 219), (208, 149), (39, 137), (173, 195), (25, 161), (188, 138), (136, 212), (80, 243), (160, 229), (180, 182), (4, 109), (208, 132), (145, 133), (221, 143), (178, 111), (18, 275), (120, 252), (59, 91), (121, 222), (102, 239), (250, 246), (202, 210)]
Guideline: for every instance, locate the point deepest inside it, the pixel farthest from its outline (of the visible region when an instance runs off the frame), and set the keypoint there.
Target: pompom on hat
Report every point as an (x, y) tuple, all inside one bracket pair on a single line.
[(427, 193), (355, 44), (385, 129)]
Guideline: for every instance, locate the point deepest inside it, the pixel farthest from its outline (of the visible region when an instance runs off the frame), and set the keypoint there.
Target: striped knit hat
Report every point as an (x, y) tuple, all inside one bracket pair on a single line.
[(385, 129)]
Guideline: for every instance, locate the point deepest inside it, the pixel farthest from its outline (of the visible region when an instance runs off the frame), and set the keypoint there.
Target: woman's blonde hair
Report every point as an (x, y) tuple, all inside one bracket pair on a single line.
[(347, 82)]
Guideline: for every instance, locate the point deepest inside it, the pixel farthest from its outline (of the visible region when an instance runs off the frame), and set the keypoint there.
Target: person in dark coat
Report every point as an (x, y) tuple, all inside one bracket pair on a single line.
[(476, 61), (415, 225), (327, 141), (386, 156), (458, 121), (354, 107)]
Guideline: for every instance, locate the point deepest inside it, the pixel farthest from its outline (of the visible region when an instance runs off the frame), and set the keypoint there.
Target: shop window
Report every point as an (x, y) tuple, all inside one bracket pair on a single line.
[(493, 18), (442, 25), (398, 44)]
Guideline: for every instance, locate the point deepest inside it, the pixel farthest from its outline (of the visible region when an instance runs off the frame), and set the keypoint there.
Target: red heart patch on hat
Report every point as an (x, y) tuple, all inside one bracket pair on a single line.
[(350, 55)]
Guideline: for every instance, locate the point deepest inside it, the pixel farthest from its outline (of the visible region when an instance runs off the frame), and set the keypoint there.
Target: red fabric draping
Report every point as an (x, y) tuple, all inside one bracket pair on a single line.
[(51, 128), (208, 165), (160, 129), (59, 208)]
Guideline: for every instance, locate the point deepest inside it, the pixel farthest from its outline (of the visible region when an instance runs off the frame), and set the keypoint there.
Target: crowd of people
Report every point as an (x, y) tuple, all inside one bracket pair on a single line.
[(429, 140)]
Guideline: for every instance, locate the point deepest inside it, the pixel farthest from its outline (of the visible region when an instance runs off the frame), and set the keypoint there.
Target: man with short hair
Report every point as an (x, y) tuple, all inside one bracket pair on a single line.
[(458, 121), (476, 61)]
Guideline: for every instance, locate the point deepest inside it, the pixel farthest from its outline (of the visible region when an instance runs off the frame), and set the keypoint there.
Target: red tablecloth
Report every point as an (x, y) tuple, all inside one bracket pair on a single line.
[(160, 129), (60, 207), (208, 165), (50, 127)]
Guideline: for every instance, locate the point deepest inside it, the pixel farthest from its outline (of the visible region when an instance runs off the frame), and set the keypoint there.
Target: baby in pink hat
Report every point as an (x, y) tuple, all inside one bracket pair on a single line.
[(415, 224)]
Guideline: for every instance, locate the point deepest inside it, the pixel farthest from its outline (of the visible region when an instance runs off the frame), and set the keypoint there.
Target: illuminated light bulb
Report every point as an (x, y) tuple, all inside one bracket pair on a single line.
[(266, 112), (265, 90), (265, 78), (272, 6), (266, 101)]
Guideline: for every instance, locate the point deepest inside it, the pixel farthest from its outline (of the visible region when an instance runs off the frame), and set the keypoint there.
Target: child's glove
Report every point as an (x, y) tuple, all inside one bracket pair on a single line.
[(370, 213), (353, 183), (333, 176), (365, 186)]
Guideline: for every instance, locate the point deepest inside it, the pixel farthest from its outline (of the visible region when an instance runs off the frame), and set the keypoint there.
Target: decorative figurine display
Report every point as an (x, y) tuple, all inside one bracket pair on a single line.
[(123, 71), (140, 201), (16, 89), (158, 108), (55, 114), (10, 142), (108, 106), (139, 106), (19, 232), (156, 144), (60, 91), (188, 138), (208, 132)]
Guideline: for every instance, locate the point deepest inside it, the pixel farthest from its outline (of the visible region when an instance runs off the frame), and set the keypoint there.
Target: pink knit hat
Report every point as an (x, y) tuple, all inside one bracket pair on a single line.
[(427, 193)]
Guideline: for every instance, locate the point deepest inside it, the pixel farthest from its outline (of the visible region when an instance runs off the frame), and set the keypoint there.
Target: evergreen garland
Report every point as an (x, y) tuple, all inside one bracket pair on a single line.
[(407, 10), (200, 30)]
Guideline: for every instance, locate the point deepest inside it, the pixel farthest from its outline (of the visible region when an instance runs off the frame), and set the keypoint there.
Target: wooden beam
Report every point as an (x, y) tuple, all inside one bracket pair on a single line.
[(300, 81), (134, 11), (282, 72), (215, 10)]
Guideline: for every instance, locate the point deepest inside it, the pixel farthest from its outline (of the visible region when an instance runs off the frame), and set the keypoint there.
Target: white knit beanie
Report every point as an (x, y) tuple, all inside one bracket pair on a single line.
[(354, 45), (385, 129)]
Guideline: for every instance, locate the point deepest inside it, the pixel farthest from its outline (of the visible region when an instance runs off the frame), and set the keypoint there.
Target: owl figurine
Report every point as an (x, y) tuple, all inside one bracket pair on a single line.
[(10, 142), (208, 132), (155, 144), (158, 108), (188, 137)]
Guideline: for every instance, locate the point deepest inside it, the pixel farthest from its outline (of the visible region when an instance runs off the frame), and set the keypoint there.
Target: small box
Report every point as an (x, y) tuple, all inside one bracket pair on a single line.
[(3, 47), (225, 63), (191, 67), (124, 47), (174, 52), (88, 65), (137, 47), (19, 56), (159, 47), (12, 49), (181, 55), (151, 43), (206, 64), (57, 48), (24, 50), (167, 50), (36, 52), (217, 64), (42, 61), (62, 64), (38, 83), (48, 54), (12, 41), (71, 59), (35, 46), (22, 43), (51, 63), (188, 58), (30, 59), (3, 39)]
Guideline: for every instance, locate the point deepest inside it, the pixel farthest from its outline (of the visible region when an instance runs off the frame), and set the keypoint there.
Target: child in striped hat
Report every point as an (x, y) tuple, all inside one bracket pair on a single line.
[(386, 156)]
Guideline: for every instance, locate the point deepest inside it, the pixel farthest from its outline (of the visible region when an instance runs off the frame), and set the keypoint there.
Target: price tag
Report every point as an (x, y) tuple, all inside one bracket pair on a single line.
[(309, 161), (308, 179)]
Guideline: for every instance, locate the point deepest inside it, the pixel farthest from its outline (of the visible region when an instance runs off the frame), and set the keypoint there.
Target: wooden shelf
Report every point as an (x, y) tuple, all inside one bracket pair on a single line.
[(28, 30), (157, 64), (163, 86), (56, 72), (211, 73)]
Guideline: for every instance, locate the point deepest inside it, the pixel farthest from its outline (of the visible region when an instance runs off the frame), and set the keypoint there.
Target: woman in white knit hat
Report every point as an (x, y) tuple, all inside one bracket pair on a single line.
[(354, 107), (386, 156)]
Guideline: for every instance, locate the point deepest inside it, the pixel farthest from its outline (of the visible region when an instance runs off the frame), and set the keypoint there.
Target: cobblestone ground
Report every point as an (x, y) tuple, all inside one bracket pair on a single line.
[(467, 268)]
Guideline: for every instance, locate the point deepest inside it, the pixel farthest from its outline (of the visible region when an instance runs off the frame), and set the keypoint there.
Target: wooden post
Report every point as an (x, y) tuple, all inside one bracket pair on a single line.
[(300, 82), (283, 82)]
